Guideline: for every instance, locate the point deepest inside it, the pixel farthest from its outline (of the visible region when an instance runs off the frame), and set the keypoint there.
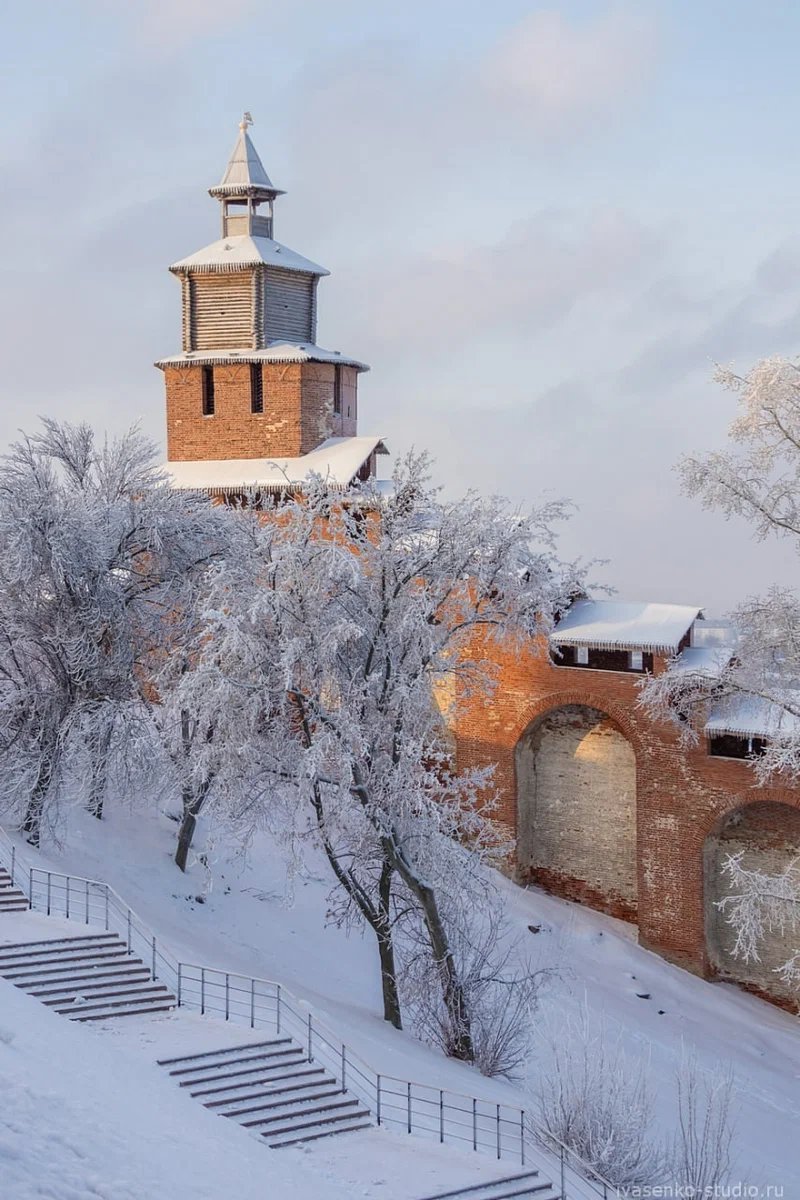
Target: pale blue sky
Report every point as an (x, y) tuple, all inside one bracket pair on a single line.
[(544, 223)]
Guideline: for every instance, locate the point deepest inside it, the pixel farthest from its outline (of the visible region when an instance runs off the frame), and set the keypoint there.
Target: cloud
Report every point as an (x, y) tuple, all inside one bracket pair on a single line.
[(561, 73), (164, 27), (517, 287), (388, 125)]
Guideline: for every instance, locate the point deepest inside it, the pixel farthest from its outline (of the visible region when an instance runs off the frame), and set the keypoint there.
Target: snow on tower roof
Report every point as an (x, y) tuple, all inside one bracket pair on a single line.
[(752, 716), (244, 174), (245, 250), (276, 352), (617, 625), (337, 460)]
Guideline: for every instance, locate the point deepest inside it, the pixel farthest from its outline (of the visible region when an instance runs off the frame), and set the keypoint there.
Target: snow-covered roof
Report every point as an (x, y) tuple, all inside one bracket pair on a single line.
[(243, 250), (338, 460), (244, 174), (277, 352), (617, 625), (752, 716), (707, 661)]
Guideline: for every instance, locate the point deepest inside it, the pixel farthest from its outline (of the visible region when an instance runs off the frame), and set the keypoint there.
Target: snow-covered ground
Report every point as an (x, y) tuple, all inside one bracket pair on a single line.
[(237, 916), (82, 1119), (85, 1112)]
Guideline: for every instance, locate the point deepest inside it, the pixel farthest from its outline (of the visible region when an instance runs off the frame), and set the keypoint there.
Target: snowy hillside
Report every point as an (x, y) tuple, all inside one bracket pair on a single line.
[(83, 1116), (242, 915)]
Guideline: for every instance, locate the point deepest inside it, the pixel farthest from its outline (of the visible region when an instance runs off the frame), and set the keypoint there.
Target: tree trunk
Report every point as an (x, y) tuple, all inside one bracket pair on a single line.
[(32, 823), (452, 990), (383, 932), (378, 917), (193, 796), (192, 803), (99, 779)]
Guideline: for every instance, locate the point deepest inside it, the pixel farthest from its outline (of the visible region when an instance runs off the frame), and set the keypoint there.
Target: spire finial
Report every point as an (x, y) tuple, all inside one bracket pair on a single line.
[(245, 121)]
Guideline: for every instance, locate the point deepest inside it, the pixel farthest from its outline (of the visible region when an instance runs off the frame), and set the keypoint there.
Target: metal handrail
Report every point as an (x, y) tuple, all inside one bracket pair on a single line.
[(503, 1130)]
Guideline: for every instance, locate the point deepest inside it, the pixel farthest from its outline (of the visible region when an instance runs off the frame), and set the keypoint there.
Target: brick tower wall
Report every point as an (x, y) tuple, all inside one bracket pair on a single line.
[(298, 411)]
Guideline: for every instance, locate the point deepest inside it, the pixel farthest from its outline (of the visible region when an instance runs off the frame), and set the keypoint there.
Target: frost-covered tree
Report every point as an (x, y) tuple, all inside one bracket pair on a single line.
[(328, 645), (760, 904), (96, 554), (701, 1151), (594, 1097), (759, 481), (501, 986)]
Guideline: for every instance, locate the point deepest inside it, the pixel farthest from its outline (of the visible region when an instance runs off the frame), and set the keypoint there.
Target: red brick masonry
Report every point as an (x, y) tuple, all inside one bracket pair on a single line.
[(683, 796)]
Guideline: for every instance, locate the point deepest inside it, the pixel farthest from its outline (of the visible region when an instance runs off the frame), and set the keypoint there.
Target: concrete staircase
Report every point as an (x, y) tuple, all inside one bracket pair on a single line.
[(11, 898), (528, 1185), (88, 978), (271, 1087)]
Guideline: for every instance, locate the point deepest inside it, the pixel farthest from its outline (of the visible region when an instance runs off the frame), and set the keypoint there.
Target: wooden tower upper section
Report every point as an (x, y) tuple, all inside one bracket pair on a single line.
[(251, 381)]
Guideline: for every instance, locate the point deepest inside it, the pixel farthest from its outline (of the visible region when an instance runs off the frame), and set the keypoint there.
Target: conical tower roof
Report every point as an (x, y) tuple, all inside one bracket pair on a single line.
[(245, 174)]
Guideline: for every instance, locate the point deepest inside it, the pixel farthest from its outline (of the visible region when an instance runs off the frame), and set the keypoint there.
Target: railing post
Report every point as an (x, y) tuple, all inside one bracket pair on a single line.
[(180, 982), (106, 895), (378, 1101), (474, 1123), (13, 861), (498, 1131), (278, 1007), (67, 912), (202, 991), (344, 1067), (563, 1183), (310, 1047), (153, 948), (49, 891), (30, 884), (87, 901), (409, 1106), (227, 996), (253, 1004), (441, 1115), (522, 1136)]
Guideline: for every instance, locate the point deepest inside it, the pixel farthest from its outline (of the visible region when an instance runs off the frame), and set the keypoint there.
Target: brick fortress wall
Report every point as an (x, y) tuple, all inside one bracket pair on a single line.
[(608, 807)]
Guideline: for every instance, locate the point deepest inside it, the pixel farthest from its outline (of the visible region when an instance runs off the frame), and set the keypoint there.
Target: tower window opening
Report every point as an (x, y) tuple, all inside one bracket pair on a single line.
[(636, 660), (208, 391), (256, 388), (582, 656), (337, 389)]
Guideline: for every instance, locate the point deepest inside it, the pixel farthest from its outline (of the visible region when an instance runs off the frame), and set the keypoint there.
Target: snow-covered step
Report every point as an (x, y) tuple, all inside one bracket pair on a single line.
[(87, 978), (272, 1088), (283, 1058), (12, 899), (152, 999), (94, 977), (231, 1056), (6, 948), (58, 968), (62, 956), (256, 1089), (526, 1185), (277, 1103), (84, 994)]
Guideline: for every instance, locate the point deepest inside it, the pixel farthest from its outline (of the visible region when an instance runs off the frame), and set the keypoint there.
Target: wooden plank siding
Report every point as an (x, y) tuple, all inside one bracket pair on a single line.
[(288, 306), (221, 308)]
